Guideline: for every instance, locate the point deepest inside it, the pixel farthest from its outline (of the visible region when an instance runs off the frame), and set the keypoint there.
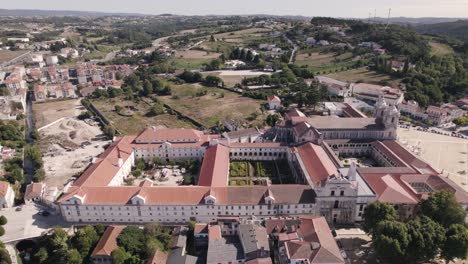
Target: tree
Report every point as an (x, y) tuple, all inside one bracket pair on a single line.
[(74, 257), (84, 240), (213, 81), (117, 108), (39, 175), (456, 244), (3, 220), (212, 38), (120, 256), (109, 131), (443, 208), (4, 256), (41, 255), (271, 120), (156, 109), (375, 213), (391, 240), (427, 237), (2, 231)]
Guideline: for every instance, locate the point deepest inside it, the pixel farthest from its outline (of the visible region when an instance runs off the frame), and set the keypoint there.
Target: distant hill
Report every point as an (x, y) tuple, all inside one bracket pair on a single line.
[(457, 29), (419, 20), (37, 12)]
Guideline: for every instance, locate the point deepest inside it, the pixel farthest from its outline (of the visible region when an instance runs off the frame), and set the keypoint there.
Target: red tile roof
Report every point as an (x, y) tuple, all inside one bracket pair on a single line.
[(103, 170), (215, 167), (274, 98), (108, 241), (214, 232), (159, 257), (390, 189), (317, 163), (33, 190)]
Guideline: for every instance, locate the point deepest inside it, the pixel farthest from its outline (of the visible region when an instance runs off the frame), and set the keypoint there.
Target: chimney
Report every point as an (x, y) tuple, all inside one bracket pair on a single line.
[(352, 172)]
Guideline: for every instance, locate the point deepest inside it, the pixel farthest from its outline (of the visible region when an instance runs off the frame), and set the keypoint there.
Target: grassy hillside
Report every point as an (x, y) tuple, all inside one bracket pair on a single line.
[(457, 29)]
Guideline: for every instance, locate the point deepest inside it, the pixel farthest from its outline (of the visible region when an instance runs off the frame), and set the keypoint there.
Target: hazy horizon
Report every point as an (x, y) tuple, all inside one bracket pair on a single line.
[(333, 8)]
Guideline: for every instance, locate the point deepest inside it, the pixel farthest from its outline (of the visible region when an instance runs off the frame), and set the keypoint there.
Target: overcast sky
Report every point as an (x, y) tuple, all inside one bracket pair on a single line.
[(335, 8)]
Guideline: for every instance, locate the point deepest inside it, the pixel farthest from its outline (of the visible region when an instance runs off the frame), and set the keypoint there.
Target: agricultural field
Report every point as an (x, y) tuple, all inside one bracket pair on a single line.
[(192, 59), (219, 46), (364, 75), (241, 35), (208, 105), (318, 59), (7, 55), (138, 121)]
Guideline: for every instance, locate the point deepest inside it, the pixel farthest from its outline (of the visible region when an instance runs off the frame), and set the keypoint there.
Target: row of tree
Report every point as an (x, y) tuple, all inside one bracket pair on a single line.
[(438, 230)]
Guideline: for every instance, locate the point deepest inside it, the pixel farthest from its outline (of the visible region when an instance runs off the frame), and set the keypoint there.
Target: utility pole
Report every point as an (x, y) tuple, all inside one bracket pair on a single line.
[(388, 18)]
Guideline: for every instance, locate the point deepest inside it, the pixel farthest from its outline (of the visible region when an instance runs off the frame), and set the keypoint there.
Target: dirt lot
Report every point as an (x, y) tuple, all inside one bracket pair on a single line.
[(63, 156), (46, 113), (442, 152), (215, 106), (6, 55), (136, 123), (364, 75)]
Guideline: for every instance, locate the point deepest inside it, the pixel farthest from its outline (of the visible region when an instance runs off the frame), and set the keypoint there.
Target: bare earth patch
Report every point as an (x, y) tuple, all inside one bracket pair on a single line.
[(196, 54), (48, 112)]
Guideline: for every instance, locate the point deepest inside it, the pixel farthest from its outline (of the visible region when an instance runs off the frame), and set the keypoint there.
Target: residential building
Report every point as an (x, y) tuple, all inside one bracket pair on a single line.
[(335, 87), (372, 92), (7, 195), (102, 253), (274, 102), (304, 240), (34, 192)]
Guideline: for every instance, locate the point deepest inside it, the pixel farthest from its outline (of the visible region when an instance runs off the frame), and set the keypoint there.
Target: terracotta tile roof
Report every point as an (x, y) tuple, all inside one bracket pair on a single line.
[(108, 241), (159, 257), (301, 128), (390, 189), (153, 135), (215, 167), (294, 112), (317, 163), (408, 157), (4, 188), (33, 190), (214, 232), (313, 239), (200, 228), (350, 111), (103, 170), (192, 195), (274, 98)]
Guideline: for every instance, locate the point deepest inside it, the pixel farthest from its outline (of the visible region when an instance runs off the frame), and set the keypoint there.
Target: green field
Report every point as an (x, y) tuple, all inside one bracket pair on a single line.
[(259, 172), (440, 49), (315, 59), (209, 105), (364, 75), (138, 122)]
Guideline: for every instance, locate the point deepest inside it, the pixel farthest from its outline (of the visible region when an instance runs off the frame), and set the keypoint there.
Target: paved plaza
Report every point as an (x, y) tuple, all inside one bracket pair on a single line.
[(445, 153)]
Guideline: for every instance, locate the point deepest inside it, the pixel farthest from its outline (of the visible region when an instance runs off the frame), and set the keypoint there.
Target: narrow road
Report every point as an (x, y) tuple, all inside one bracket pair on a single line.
[(12, 251), (295, 48), (28, 164)]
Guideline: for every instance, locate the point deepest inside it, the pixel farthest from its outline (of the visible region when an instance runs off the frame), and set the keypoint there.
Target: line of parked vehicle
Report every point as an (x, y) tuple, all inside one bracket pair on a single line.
[(435, 131)]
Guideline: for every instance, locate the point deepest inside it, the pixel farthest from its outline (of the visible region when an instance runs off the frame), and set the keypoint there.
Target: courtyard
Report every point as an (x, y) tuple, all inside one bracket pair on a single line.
[(260, 173)]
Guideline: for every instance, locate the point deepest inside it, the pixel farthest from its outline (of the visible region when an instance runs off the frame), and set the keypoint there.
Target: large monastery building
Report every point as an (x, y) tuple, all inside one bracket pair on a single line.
[(316, 149)]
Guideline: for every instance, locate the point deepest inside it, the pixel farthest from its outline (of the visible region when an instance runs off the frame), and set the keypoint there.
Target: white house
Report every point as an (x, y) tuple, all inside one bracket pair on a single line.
[(7, 195), (274, 102)]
